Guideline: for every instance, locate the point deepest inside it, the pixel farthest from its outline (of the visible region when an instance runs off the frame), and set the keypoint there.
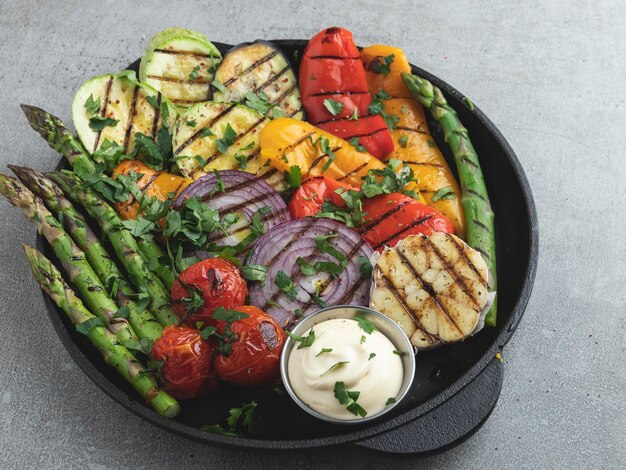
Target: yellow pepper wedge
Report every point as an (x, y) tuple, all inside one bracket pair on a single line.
[(412, 139), (287, 142)]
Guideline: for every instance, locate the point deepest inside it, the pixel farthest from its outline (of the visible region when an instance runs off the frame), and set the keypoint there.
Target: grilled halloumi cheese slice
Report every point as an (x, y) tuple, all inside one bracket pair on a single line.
[(434, 287)]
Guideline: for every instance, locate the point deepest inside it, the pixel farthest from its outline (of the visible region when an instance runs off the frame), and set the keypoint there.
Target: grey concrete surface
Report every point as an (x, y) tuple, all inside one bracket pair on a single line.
[(550, 74)]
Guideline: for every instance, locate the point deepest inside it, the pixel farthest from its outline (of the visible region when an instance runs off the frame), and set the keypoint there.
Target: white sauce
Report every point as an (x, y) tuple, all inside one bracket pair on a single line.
[(312, 375)]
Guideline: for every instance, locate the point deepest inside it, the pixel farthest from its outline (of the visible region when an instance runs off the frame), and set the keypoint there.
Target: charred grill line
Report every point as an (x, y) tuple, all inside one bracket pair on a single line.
[(196, 54), (293, 113), (252, 66), (481, 225), (107, 91), (366, 134), (347, 92), (468, 261), (428, 288), (478, 195), (319, 159), (131, 199), (411, 129), (457, 278), (209, 124), (131, 117), (333, 57), (366, 228), (157, 115), (272, 79), (431, 338), (180, 81), (285, 94), (408, 227)]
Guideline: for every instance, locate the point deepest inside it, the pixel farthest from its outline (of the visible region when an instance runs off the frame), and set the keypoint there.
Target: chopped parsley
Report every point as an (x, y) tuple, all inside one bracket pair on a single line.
[(305, 341), (365, 267), (354, 141), (372, 356), (334, 107), (323, 351), (365, 324), (88, 325), (285, 284), (254, 272), (227, 139), (403, 141), (355, 114), (219, 86), (293, 177), (258, 101), (195, 73), (206, 132), (390, 401), (91, 105), (98, 123), (237, 417), (349, 399), (335, 366), (443, 193)]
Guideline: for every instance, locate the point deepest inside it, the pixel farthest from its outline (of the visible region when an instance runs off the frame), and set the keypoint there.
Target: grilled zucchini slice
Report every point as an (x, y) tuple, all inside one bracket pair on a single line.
[(202, 131), (131, 106), (181, 64), (262, 69), (434, 287)]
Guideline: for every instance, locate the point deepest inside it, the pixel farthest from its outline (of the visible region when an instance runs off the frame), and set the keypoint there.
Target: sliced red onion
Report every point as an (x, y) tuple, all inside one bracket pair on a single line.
[(240, 193), (279, 249)]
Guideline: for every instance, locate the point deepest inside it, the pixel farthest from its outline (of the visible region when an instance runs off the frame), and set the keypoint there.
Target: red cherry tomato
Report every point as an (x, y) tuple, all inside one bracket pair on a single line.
[(392, 217), (256, 351), (187, 370), (220, 284), (307, 200)]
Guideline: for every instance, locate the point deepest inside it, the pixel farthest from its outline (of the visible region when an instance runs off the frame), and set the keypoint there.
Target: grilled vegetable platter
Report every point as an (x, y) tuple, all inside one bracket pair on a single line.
[(217, 196)]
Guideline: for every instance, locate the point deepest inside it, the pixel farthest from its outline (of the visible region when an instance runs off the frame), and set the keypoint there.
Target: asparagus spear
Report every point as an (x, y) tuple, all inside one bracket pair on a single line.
[(59, 137), (150, 250), (80, 272), (123, 243), (142, 321), (475, 199), (116, 355)]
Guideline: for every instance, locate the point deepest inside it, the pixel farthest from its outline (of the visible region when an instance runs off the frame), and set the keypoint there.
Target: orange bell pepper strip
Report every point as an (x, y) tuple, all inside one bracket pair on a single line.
[(152, 183), (412, 139), (287, 142)]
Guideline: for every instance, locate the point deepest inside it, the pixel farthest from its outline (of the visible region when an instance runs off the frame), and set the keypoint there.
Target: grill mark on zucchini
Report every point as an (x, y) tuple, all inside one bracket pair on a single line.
[(131, 116), (428, 288), (353, 172), (209, 124), (157, 114), (468, 261), (107, 91), (185, 101), (252, 66), (191, 53), (431, 338), (237, 139), (370, 226), (180, 81), (455, 276), (293, 113), (400, 232), (272, 79)]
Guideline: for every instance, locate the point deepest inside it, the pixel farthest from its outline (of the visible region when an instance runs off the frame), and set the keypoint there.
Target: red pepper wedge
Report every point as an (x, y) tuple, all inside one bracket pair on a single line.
[(331, 69), (388, 218)]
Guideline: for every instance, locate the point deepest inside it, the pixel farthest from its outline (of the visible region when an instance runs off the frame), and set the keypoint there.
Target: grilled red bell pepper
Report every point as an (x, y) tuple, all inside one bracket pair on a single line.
[(388, 218), (331, 69)]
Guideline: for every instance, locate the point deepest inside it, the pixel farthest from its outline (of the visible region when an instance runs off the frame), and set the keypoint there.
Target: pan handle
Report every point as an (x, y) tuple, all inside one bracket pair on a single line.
[(450, 423)]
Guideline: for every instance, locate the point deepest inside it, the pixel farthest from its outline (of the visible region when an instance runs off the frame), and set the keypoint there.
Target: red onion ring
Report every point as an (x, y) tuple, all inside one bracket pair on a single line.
[(279, 248), (243, 193)]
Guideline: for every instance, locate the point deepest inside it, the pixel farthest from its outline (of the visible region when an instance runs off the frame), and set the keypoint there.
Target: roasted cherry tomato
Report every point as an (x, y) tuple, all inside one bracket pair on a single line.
[(391, 217), (255, 355), (308, 199), (334, 91), (217, 281), (187, 369)]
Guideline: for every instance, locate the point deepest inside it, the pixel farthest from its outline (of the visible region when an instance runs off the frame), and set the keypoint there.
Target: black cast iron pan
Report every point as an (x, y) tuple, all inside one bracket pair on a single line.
[(455, 388)]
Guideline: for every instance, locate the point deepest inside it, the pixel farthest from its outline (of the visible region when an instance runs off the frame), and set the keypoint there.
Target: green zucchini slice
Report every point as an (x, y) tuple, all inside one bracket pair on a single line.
[(129, 105), (180, 64), (262, 69), (203, 141)]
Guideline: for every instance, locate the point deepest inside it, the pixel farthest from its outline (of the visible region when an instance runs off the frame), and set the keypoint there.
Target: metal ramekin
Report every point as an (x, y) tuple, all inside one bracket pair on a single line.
[(384, 324)]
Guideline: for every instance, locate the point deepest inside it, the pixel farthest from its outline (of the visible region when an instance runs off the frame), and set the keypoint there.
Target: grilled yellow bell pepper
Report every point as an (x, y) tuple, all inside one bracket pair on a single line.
[(413, 142), (287, 142)]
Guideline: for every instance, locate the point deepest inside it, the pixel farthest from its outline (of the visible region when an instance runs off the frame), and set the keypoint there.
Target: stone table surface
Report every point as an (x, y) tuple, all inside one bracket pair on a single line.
[(551, 76)]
